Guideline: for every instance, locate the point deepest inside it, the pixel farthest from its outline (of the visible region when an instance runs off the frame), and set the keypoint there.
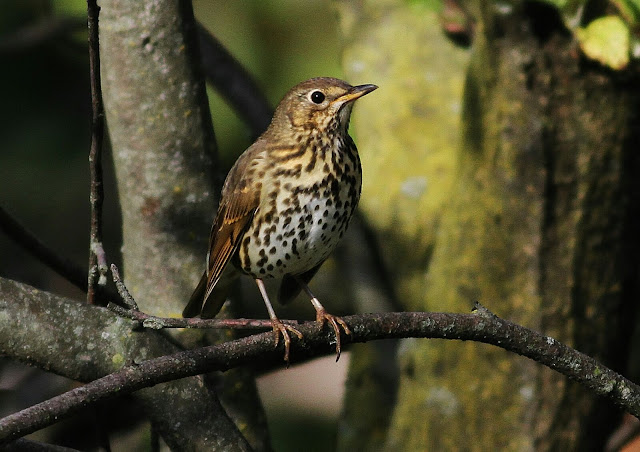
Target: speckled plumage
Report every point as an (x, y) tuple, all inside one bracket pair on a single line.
[(305, 207), (289, 197)]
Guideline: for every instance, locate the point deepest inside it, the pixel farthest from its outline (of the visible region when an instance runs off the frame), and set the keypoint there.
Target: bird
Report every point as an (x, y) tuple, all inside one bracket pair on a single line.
[(286, 203)]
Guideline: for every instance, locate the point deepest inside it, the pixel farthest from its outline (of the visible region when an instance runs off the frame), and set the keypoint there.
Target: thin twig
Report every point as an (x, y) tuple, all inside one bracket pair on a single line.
[(156, 323), (259, 350), (126, 296), (73, 273), (151, 321), (97, 256), (234, 83), (97, 260)]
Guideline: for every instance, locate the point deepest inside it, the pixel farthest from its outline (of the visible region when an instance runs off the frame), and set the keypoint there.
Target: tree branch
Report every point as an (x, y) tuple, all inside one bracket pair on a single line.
[(124, 293), (258, 350), (61, 265), (157, 323), (44, 31), (66, 268), (97, 259), (25, 445), (234, 83), (86, 342)]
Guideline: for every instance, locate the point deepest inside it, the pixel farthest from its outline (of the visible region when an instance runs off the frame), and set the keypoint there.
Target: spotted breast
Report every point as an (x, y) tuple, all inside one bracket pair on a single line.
[(306, 203)]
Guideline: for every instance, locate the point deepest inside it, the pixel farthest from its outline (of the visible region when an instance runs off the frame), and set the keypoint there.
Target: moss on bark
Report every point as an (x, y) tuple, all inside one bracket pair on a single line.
[(533, 216)]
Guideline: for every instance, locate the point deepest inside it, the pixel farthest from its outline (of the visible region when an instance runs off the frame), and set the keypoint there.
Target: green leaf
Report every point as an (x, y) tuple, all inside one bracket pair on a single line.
[(606, 40)]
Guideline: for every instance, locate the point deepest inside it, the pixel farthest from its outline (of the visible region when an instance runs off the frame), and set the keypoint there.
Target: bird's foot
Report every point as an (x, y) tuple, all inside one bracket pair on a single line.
[(280, 328), (336, 322)]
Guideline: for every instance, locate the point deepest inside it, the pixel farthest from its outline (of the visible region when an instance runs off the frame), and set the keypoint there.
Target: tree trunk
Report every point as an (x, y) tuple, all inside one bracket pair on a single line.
[(163, 147), (538, 223), (164, 153), (408, 140)]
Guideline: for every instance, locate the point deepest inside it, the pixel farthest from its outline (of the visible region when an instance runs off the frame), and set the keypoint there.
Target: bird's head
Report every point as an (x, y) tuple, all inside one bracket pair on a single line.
[(321, 104)]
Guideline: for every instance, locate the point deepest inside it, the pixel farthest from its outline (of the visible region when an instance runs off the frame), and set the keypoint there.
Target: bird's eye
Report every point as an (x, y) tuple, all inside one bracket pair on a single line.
[(317, 97)]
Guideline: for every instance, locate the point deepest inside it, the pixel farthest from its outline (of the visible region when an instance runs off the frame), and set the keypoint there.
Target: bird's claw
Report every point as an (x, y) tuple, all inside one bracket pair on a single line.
[(336, 322), (280, 328)]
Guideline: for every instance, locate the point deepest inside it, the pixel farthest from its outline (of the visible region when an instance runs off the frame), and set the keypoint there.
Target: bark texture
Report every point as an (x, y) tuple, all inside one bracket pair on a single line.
[(163, 147)]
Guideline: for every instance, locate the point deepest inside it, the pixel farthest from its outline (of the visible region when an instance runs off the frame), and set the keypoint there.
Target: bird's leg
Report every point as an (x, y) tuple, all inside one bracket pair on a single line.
[(278, 327), (323, 316)]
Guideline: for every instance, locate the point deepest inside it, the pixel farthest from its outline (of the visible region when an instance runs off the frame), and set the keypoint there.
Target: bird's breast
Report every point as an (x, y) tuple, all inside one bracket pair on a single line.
[(306, 205)]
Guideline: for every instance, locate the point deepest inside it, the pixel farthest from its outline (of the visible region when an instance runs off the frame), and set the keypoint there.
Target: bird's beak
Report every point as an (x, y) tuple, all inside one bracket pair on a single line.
[(355, 93)]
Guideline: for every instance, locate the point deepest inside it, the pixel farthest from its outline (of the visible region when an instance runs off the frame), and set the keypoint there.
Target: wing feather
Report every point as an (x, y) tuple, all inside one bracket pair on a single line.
[(239, 203), (232, 221)]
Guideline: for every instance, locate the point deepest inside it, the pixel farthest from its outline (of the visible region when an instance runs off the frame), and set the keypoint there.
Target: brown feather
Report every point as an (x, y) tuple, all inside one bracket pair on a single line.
[(226, 241), (238, 205), (212, 304), (194, 306)]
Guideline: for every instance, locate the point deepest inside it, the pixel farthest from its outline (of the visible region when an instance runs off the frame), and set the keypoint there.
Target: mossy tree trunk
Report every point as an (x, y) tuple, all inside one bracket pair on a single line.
[(536, 216), (407, 139)]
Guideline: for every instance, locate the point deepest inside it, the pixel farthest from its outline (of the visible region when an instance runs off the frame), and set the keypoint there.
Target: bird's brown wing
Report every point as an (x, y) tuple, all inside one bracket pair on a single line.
[(232, 221), (238, 204)]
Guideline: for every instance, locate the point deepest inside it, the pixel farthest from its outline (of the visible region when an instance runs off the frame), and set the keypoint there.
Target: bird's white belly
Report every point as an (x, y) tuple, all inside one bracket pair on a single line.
[(299, 237)]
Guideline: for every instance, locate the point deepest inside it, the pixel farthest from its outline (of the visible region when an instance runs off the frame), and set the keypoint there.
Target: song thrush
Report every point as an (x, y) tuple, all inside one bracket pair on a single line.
[(288, 200)]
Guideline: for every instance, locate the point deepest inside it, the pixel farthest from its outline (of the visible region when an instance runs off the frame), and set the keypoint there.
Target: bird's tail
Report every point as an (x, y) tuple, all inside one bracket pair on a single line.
[(211, 306), (194, 307)]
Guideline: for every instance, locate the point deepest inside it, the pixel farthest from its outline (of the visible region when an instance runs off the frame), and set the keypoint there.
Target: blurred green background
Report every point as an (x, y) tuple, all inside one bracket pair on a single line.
[(45, 135)]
